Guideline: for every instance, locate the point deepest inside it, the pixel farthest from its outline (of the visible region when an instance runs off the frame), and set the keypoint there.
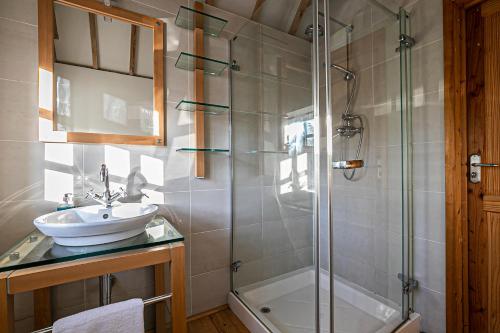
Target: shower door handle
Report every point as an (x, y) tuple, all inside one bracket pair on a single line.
[(475, 168)]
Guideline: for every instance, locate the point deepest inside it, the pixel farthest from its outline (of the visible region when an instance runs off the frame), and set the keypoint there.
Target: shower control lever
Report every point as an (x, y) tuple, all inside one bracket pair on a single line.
[(475, 168)]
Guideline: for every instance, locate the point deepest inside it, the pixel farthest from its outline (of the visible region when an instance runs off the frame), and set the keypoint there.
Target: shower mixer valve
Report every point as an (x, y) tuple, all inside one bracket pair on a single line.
[(347, 130)]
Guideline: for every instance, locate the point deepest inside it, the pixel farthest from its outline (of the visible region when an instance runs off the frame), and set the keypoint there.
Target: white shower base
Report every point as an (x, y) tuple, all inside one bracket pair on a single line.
[(290, 298)]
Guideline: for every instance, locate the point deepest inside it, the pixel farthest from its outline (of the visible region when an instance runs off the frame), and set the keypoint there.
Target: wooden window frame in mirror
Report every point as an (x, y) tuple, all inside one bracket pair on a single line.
[(46, 61)]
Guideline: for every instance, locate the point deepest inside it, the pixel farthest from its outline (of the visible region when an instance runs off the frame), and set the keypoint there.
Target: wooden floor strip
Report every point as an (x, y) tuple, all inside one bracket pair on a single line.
[(227, 322), (223, 321), (202, 325)]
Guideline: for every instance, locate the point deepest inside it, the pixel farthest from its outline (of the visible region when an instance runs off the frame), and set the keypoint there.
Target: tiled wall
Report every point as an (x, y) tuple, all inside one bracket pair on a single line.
[(33, 174)]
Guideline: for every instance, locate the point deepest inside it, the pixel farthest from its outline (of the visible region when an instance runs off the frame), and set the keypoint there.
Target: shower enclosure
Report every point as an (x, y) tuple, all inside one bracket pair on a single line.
[(321, 170)]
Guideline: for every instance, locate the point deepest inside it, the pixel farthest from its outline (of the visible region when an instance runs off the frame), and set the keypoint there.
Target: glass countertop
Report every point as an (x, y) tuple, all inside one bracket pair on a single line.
[(36, 249)]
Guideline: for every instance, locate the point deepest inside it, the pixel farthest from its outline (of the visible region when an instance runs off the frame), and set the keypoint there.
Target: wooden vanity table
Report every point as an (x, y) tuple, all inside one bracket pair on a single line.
[(37, 263)]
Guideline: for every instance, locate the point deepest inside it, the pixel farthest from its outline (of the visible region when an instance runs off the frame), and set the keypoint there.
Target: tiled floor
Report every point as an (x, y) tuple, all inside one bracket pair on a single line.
[(223, 321), (294, 313)]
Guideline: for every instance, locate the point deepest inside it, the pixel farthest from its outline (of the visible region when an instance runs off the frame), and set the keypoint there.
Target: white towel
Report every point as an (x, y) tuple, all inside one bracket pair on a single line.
[(127, 316)]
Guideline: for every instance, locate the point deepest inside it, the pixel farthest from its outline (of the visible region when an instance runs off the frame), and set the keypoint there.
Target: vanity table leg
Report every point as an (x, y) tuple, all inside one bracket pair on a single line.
[(160, 290), (177, 281), (42, 307), (6, 306)]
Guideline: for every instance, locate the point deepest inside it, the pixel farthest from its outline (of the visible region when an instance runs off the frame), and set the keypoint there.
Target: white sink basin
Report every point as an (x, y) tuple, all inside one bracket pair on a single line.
[(92, 225)]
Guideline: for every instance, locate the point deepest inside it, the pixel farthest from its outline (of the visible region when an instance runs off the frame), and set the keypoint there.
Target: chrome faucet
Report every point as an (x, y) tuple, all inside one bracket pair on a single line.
[(107, 197)]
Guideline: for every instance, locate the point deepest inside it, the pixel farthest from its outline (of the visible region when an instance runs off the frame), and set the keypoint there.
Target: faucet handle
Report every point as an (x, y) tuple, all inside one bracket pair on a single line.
[(90, 193), (123, 192)]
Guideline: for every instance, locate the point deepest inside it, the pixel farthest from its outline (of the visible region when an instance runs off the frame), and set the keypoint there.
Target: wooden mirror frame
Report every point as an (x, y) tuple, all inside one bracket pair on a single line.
[(46, 58)]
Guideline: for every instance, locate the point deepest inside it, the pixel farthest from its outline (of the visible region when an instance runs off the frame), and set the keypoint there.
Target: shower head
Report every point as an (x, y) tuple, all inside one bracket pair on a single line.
[(348, 75)]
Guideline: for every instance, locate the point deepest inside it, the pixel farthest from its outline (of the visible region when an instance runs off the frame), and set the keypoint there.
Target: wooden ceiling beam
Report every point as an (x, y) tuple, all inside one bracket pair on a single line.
[(133, 49), (94, 42), (257, 8), (303, 5)]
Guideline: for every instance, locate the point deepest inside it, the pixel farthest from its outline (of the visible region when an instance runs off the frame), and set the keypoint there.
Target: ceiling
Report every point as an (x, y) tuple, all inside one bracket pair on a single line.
[(292, 16), (283, 15)]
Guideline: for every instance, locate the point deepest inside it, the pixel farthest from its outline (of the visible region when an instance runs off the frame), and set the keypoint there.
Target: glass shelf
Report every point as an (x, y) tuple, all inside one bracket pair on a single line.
[(206, 150), (212, 25), (188, 62), (269, 114), (204, 107), (268, 152), (36, 249)]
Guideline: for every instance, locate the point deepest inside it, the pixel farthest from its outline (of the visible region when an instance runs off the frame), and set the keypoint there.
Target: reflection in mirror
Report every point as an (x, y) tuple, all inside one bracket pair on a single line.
[(103, 73)]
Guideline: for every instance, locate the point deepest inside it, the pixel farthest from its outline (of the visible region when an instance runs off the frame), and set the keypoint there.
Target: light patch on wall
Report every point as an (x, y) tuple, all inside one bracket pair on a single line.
[(46, 132), (155, 197), (302, 162), (152, 169), (59, 153), (45, 89), (117, 160), (303, 182), (156, 123), (56, 184), (285, 168), (286, 188)]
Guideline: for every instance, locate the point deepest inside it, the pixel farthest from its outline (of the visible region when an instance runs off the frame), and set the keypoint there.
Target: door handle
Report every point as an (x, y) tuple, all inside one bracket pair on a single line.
[(484, 165), (475, 168)]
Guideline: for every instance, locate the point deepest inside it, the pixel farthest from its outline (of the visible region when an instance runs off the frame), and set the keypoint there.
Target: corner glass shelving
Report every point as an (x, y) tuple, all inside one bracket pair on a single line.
[(212, 25), (210, 66), (207, 108), (206, 150)]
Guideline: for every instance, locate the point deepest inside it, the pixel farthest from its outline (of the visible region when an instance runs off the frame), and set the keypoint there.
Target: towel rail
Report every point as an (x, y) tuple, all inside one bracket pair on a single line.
[(148, 301)]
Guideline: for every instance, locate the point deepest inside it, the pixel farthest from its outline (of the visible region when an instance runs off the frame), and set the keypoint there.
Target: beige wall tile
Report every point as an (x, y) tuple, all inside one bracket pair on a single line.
[(210, 290), (209, 251), (19, 46)]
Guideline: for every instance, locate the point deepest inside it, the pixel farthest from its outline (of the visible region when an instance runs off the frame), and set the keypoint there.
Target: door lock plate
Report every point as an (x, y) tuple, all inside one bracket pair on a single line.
[(475, 169)]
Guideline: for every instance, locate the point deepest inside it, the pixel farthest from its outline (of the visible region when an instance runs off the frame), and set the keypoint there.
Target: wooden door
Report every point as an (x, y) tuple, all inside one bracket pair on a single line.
[(483, 138)]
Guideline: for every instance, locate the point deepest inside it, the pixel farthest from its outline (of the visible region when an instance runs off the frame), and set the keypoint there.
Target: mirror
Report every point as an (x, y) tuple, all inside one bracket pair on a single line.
[(105, 66)]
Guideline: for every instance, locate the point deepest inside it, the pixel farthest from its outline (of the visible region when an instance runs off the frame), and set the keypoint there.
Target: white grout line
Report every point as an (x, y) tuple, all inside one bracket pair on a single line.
[(19, 81), (429, 240), (20, 22)]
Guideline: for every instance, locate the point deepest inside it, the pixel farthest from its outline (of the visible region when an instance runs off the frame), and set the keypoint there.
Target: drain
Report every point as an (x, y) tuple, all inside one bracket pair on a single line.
[(265, 309)]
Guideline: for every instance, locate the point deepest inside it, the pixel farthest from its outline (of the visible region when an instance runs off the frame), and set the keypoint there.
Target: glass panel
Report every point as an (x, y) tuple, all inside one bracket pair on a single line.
[(120, 98), (208, 150), (37, 249), (273, 175), (368, 203), (204, 107), (190, 62), (212, 25)]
